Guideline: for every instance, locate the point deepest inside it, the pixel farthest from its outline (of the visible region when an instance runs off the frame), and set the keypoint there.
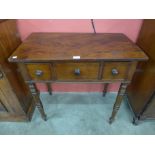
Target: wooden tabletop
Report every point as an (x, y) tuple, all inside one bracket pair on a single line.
[(45, 47), (2, 20)]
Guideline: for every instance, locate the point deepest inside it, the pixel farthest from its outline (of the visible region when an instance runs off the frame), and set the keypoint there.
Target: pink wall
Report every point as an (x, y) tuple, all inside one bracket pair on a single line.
[(127, 26)]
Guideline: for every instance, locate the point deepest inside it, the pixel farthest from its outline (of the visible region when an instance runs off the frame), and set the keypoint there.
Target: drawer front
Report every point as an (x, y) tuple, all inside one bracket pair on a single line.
[(39, 72), (115, 70), (81, 71)]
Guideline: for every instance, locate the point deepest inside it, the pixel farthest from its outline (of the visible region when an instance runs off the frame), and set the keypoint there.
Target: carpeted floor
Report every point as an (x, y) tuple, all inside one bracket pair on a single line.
[(79, 113)]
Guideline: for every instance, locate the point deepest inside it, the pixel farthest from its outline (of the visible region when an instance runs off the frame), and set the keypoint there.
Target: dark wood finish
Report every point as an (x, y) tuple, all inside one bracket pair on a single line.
[(142, 88), (2, 20), (105, 89), (35, 94), (118, 101), (10, 38), (121, 70), (39, 71), (150, 110), (49, 88), (8, 97), (103, 58), (15, 98), (88, 71), (67, 71), (63, 46)]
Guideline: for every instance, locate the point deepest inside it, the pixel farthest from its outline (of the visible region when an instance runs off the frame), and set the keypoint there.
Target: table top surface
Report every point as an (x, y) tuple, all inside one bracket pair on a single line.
[(43, 47)]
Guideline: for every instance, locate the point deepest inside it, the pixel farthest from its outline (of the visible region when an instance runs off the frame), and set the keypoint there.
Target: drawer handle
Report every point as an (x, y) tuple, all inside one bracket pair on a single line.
[(114, 71), (39, 72), (1, 75), (77, 71)]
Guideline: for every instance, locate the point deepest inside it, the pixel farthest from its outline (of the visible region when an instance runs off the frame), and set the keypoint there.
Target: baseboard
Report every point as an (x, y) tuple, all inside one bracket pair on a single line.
[(78, 92), (14, 118)]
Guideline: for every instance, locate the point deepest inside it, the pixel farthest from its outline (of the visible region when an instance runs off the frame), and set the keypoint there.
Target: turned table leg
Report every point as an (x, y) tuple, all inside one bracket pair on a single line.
[(37, 101), (118, 101), (105, 89), (49, 88)]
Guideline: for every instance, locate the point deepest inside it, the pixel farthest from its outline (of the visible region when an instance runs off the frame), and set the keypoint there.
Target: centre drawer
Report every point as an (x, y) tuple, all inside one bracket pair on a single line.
[(77, 70)]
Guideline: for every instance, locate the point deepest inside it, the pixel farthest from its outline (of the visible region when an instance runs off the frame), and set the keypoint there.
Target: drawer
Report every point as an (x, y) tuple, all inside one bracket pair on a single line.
[(80, 70), (115, 70), (39, 72)]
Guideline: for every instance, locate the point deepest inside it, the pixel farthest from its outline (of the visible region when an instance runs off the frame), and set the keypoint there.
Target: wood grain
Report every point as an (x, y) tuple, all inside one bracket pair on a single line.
[(44, 68), (5, 91), (104, 58), (63, 46), (121, 67), (66, 71), (142, 88), (14, 94), (9, 38)]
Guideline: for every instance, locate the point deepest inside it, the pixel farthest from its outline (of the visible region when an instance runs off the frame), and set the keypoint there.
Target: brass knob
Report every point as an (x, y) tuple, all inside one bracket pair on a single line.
[(39, 72), (114, 71), (77, 71), (1, 75)]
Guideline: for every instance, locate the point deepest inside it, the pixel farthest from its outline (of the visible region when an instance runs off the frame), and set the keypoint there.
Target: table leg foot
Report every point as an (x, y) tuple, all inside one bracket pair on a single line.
[(41, 110), (105, 89), (49, 88), (118, 101), (135, 121), (37, 101), (45, 118), (111, 120)]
